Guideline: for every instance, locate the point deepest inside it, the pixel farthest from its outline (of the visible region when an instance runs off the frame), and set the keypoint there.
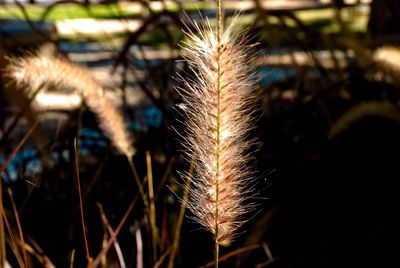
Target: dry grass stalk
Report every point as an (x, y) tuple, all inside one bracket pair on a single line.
[(34, 71), (152, 208), (78, 183), (219, 107), (13, 241), (110, 230), (19, 227), (177, 235), (3, 260), (3, 218)]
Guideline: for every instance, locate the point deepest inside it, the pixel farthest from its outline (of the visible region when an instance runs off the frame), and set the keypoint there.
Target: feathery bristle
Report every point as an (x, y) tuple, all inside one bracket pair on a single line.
[(219, 106), (34, 71)]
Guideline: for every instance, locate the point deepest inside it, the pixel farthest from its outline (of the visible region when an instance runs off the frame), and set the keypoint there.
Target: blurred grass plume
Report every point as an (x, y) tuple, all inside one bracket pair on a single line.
[(36, 70)]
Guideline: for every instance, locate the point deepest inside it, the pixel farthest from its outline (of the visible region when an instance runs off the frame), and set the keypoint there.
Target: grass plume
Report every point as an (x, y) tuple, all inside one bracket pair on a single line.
[(36, 70), (219, 105)]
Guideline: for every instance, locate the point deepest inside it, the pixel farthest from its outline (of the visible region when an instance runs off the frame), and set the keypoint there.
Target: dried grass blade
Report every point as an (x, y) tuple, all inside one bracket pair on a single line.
[(162, 258), (89, 258), (139, 248), (95, 178), (38, 254), (72, 259), (13, 242), (2, 168), (182, 210), (164, 178), (111, 231), (152, 212), (45, 259), (35, 254), (21, 234), (18, 147), (138, 183), (112, 239)]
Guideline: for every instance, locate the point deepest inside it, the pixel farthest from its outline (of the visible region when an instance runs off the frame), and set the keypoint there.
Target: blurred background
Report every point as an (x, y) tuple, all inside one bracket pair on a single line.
[(329, 129)]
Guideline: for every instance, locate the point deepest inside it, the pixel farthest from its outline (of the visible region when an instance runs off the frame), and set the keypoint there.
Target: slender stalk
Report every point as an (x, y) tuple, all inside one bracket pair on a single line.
[(138, 183), (2, 168), (162, 258), (113, 237), (152, 212), (219, 34), (71, 261), (13, 242), (2, 233), (89, 258), (216, 252), (232, 254), (19, 146), (46, 261), (110, 230), (21, 235), (139, 249), (178, 227)]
